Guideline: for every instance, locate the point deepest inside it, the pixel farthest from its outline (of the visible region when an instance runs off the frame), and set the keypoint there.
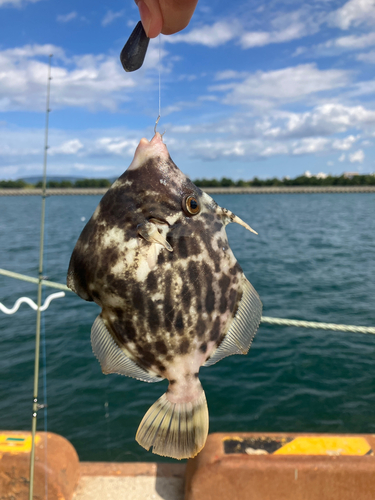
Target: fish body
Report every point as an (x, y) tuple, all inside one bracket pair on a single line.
[(155, 257)]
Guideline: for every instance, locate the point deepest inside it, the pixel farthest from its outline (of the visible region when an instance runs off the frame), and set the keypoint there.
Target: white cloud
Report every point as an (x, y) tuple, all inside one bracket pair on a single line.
[(181, 129), (84, 167), (353, 42), (108, 152), (354, 12), (111, 16), (8, 172), (15, 3), (287, 84), (230, 74), (87, 81), (214, 149), (275, 150), (94, 82), (344, 144), (342, 157), (336, 46), (67, 148), (327, 119), (310, 145), (362, 88), (16, 55), (96, 150), (116, 146), (368, 57), (284, 26), (357, 157), (210, 36), (261, 38), (251, 149), (65, 18), (14, 150), (255, 39)]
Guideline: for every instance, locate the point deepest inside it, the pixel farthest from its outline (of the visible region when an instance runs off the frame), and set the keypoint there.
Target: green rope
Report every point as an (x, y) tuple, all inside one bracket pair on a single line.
[(265, 319)]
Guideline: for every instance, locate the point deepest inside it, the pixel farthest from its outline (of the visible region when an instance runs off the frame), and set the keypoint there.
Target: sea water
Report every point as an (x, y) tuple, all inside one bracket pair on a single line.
[(314, 259)]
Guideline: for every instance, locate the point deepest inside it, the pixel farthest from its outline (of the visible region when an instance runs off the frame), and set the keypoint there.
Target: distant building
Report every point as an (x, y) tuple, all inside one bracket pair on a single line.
[(350, 175)]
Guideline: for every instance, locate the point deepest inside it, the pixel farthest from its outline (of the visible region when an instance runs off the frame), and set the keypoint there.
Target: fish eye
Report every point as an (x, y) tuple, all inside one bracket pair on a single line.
[(191, 205)]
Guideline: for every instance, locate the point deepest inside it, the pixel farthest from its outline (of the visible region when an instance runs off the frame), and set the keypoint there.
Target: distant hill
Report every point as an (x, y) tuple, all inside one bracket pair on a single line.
[(33, 179), (59, 181)]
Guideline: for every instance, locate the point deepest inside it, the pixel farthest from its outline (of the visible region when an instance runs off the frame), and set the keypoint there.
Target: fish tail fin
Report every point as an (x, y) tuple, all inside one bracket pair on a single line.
[(176, 430)]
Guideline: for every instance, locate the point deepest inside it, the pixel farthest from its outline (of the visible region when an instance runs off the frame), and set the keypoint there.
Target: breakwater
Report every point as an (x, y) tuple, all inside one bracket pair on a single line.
[(210, 190)]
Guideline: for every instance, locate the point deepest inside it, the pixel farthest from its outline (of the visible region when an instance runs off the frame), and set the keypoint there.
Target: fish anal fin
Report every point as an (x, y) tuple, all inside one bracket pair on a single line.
[(243, 327), (111, 358)]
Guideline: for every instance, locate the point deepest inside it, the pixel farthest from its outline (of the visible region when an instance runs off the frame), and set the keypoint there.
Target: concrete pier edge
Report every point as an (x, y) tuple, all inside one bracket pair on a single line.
[(209, 190), (234, 466)]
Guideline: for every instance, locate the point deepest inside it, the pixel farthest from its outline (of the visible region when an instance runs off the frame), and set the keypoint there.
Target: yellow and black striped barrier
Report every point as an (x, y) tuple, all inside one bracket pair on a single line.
[(301, 445)]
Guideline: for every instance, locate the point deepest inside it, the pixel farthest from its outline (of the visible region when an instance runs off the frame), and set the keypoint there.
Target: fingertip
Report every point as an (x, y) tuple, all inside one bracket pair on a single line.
[(151, 17), (176, 14)]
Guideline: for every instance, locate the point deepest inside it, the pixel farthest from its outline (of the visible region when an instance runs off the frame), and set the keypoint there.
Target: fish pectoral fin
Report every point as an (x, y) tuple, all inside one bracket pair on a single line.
[(149, 232), (243, 327), (111, 358)]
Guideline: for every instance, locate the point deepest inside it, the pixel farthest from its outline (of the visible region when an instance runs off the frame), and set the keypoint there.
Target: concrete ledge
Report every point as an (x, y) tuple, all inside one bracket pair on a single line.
[(283, 466), (56, 472), (131, 481), (133, 469)]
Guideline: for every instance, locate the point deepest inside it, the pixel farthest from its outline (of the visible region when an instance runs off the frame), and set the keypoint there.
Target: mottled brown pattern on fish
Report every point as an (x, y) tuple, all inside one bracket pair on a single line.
[(188, 298)]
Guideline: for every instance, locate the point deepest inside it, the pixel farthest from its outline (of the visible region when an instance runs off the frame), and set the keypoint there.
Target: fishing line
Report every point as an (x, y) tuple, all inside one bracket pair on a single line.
[(107, 419), (159, 66), (159, 71)]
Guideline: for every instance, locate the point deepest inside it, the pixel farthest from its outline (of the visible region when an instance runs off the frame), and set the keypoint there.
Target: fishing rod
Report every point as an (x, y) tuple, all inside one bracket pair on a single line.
[(37, 406)]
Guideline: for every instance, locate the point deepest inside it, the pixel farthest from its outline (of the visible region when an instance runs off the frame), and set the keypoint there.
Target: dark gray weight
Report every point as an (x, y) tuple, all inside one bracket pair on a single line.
[(134, 51)]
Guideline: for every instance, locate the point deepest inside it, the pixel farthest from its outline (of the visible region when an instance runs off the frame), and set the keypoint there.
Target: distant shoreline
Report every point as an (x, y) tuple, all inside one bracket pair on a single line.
[(209, 190)]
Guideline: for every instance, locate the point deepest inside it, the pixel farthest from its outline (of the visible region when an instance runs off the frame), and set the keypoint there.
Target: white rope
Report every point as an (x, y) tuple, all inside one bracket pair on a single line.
[(31, 303), (265, 319), (317, 325), (30, 279)]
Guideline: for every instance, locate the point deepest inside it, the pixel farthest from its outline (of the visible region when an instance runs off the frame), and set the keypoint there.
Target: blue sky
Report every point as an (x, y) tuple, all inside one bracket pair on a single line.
[(249, 88)]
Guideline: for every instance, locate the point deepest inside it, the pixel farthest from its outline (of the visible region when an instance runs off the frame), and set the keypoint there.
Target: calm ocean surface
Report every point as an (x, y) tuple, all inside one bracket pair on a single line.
[(314, 259)]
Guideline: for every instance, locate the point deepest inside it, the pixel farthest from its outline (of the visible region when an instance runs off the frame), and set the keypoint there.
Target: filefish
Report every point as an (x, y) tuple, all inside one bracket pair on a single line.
[(155, 257)]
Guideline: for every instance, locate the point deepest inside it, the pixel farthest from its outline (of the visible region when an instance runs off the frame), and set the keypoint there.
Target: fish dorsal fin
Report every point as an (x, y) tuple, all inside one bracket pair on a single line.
[(111, 358), (243, 327)]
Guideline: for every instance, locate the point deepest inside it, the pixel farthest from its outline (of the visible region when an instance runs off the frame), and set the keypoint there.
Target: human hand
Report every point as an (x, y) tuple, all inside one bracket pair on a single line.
[(165, 16)]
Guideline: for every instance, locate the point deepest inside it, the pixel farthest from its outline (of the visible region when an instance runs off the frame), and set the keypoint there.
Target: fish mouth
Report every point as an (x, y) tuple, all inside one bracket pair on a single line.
[(149, 150)]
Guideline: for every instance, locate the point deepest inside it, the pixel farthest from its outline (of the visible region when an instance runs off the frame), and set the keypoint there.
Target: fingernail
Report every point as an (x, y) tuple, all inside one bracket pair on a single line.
[(145, 14)]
